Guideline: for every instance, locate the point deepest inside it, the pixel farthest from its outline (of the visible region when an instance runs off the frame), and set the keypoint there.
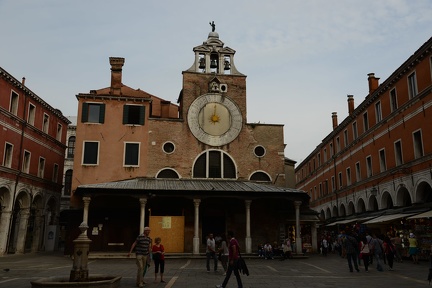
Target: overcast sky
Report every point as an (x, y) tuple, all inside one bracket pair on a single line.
[(302, 58)]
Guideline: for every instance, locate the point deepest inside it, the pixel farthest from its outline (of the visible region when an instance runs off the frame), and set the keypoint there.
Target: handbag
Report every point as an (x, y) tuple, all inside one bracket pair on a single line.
[(242, 267)]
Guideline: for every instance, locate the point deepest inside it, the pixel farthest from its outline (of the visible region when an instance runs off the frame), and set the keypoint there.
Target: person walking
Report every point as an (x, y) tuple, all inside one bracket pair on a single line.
[(365, 252), (158, 252), (351, 247), (377, 251), (233, 256), (389, 251), (324, 246), (142, 246), (223, 250), (211, 252), (413, 248)]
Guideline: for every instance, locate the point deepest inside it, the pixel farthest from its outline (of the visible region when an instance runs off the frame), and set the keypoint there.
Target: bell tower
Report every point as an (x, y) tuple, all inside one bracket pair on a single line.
[(213, 98), (213, 57)]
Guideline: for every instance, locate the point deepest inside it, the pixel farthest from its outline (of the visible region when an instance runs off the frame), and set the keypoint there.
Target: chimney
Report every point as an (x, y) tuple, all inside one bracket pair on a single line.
[(23, 81), (373, 82), (334, 120), (350, 104), (116, 74)]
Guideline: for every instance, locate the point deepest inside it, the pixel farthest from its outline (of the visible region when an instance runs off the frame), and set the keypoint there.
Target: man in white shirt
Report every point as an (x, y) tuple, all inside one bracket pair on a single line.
[(211, 252)]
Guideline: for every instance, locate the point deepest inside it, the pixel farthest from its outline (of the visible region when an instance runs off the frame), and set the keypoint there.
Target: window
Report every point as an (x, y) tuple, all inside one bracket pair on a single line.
[(369, 166), (331, 150), (333, 183), (358, 172), (55, 173), (93, 113), (13, 108), (412, 85), (214, 164), (31, 114), (133, 114), (378, 112), (7, 160), (325, 154), (168, 147), (348, 176), (59, 131), (393, 100), (41, 167), (355, 133), (131, 155), (45, 123), (418, 144), (365, 122), (382, 157), (340, 180), (26, 162), (319, 159), (260, 177), (259, 151), (168, 174), (68, 182), (398, 153), (346, 138), (338, 147), (71, 147), (90, 154), (320, 190)]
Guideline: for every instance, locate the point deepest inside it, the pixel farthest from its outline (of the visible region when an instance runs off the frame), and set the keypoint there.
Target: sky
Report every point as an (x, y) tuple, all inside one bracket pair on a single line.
[(301, 57)]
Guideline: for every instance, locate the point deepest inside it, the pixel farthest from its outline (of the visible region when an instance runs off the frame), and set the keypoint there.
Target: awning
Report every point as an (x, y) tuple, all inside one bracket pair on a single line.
[(346, 221), (426, 214), (387, 218)]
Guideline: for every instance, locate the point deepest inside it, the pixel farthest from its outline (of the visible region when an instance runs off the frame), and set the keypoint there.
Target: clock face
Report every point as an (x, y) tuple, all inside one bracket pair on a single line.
[(214, 119)]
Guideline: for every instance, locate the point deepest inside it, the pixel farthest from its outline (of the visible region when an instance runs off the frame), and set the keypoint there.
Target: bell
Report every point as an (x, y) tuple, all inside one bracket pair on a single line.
[(227, 65), (202, 63), (213, 63)]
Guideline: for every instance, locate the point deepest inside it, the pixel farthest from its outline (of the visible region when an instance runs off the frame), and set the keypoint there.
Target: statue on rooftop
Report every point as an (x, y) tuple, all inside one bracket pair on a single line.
[(213, 26)]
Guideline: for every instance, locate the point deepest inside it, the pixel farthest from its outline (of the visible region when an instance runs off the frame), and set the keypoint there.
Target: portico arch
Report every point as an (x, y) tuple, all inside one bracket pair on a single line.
[(403, 198)]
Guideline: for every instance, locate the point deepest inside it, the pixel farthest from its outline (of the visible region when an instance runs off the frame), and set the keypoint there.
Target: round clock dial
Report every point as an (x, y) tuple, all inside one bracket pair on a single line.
[(214, 119)]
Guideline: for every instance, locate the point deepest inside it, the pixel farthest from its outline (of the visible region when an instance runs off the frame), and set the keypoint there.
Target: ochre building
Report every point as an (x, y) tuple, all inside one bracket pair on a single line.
[(373, 169)]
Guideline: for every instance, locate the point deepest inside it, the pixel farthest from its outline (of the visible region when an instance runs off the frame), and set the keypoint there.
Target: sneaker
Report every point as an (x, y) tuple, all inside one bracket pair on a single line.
[(219, 286), (224, 274)]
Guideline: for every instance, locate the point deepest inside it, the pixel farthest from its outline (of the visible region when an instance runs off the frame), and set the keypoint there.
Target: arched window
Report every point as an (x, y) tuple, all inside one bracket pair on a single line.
[(214, 164), (71, 147), (260, 177), (68, 182), (168, 173)]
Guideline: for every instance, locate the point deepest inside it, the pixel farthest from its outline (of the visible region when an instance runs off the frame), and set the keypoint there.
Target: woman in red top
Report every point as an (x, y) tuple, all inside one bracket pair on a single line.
[(159, 258)]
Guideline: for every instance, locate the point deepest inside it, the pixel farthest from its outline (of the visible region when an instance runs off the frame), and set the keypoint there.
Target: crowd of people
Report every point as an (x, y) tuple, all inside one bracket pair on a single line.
[(368, 248)]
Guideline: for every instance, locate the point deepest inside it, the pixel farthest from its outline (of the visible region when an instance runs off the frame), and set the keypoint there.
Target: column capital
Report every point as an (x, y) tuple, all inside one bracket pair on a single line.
[(86, 199), (197, 202), (248, 203), (297, 204), (143, 201)]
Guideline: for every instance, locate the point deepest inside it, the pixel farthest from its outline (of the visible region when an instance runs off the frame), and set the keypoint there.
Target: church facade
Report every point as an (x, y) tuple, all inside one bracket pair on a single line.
[(186, 169)]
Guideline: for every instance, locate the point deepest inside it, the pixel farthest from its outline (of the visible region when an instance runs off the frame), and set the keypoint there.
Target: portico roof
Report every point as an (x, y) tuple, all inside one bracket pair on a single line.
[(199, 187)]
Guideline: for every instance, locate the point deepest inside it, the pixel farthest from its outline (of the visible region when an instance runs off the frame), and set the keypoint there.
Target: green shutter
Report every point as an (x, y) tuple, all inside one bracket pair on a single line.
[(142, 115), (125, 114), (84, 113), (102, 114)]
